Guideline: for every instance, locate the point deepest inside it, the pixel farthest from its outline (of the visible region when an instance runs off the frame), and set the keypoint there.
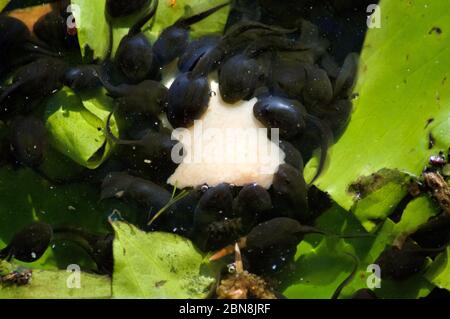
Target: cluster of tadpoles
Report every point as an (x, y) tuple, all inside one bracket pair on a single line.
[(299, 87), (280, 67)]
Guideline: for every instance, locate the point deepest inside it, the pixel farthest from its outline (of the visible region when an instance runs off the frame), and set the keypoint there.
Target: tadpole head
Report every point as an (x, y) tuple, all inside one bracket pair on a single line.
[(148, 97), (82, 77), (239, 77), (31, 83), (115, 184), (284, 114), (52, 29), (188, 99), (41, 77), (281, 232), (13, 34), (30, 243), (252, 201), (195, 50), (288, 78), (157, 146), (135, 57), (102, 253), (170, 45), (215, 205), (289, 184), (337, 116), (318, 88), (29, 141)]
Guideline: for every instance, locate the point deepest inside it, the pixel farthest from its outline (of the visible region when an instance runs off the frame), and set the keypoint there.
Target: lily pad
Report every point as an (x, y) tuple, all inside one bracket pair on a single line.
[(416, 213), (25, 198), (92, 28), (76, 126), (439, 272), (157, 265), (3, 4), (322, 263), (403, 93), (169, 12), (47, 284)]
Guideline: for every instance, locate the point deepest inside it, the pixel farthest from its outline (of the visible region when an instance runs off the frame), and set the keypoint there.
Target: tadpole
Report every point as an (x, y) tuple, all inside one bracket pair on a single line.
[(134, 56), (174, 40), (29, 244)]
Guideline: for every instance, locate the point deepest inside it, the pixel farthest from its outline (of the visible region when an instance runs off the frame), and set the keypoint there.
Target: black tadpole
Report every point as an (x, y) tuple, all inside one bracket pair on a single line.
[(174, 40), (326, 136), (137, 27), (99, 247), (29, 244), (134, 56), (280, 232)]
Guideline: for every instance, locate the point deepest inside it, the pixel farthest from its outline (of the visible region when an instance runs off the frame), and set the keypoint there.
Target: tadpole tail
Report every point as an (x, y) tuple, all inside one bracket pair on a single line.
[(73, 235), (109, 134), (348, 71), (326, 136), (353, 236), (186, 22), (431, 250), (113, 91), (312, 230), (135, 29), (35, 47), (349, 277)]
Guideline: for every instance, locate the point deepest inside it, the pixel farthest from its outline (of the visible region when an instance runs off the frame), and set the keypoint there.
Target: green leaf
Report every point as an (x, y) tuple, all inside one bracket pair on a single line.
[(92, 28), (47, 284), (157, 265), (168, 14), (76, 126), (416, 213), (25, 197), (322, 263), (377, 195), (3, 4), (401, 86), (439, 271)]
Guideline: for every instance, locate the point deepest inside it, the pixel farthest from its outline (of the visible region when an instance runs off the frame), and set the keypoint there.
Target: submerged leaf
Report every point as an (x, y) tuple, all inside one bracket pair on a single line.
[(48, 284), (3, 4), (26, 198), (76, 126), (401, 89), (322, 263), (157, 265), (168, 13), (92, 28), (439, 271)]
